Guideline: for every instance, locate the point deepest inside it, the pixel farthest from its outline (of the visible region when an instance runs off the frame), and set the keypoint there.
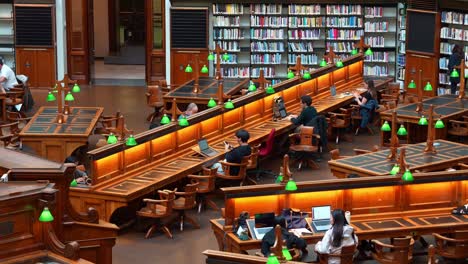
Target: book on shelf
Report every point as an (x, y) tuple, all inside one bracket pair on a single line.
[(304, 34), (443, 63), (228, 9), (267, 33), (373, 11), (377, 57), (376, 70), (306, 59), (226, 21), (235, 72), (344, 9), (379, 27), (227, 33), (269, 72), (344, 22), (229, 46), (336, 34), (310, 10), (306, 22), (266, 58), (301, 47), (268, 21), (454, 18), (264, 46), (376, 41), (266, 9)]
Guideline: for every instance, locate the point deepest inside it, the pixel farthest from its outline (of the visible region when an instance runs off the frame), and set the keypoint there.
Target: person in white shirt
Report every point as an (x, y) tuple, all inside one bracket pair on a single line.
[(341, 234), (7, 77)]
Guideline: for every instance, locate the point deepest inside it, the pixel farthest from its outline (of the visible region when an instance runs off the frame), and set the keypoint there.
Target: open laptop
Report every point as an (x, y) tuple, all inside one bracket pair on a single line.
[(321, 217), (263, 223), (205, 149)]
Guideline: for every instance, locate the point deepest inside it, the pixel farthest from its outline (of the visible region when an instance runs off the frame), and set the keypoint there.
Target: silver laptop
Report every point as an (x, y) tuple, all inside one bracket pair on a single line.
[(321, 216), (205, 149), (261, 231)]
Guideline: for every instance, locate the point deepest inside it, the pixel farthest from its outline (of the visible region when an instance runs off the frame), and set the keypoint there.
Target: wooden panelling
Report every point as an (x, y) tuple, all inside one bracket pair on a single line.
[(180, 59), (232, 119), (421, 69), (384, 199), (323, 83), (253, 110), (38, 64), (275, 201), (211, 127), (77, 40), (424, 196), (137, 156), (163, 145), (187, 137), (305, 202), (158, 67), (107, 167), (339, 77)]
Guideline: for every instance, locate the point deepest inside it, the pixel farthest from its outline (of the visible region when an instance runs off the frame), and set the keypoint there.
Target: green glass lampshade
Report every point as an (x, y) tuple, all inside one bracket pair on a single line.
[(422, 121), (290, 74), (188, 68), (412, 84), (165, 120), (386, 127), (252, 87), (369, 52), (46, 215), (272, 259), (51, 97), (279, 179), (204, 69), (307, 76), (402, 131), (210, 56), (291, 185), (428, 87), (226, 56), (131, 141), (439, 124), (73, 183), (395, 169), (454, 74), (286, 254), (339, 64), (354, 52), (183, 121), (270, 90), (229, 104), (323, 63), (407, 176), (76, 88), (211, 103), (112, 139), (69, 97)]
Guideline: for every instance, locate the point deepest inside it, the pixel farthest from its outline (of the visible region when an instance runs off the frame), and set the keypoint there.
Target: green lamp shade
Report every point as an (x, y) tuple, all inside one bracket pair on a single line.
[(286, 254), (211, 103), (386, 127), (279, 179), (395, 170), (204, 69), (226, 56), (46, 215), (422, 121), (73, 183), (51, 97), (412, 85), (354, 52), (339, 64), (369, 52), (188, 68), (76, 88), (272, 259), (131, 141), (210, 56), (291, 185), (183, 121), (165, 120), (307, 76), (428, 87), (290, 74), (112, 139), (323, 63), (439, 124), (407, 176), (229, 104), (402, 131), (252, 87), (69, 97), (270, 90), (454, 74)]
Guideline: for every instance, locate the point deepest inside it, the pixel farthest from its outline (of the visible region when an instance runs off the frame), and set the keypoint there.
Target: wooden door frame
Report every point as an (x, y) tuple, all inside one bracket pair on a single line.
[(77, 57)]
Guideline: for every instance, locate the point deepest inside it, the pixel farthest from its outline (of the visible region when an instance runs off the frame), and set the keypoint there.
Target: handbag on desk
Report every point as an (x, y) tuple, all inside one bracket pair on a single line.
[(294, 218)]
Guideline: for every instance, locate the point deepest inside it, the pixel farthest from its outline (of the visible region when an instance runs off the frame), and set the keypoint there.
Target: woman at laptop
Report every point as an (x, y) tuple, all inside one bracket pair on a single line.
[(339, 235)]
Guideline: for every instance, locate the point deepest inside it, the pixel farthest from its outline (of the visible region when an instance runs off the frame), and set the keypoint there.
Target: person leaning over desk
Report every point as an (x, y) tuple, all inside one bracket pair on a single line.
[(307, 114), (7, 77)]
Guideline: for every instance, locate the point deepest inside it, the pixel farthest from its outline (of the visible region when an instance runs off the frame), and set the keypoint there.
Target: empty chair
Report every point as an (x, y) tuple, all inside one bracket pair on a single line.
[(158, 209), (452, 246), (306, 147), (458, 128), (399, 252), (340, 121), (9, 134), (265, 150), (206, 185), (345, 257), (184, 201), (335, 154), (154, 100), (17, 117), (226, 174)]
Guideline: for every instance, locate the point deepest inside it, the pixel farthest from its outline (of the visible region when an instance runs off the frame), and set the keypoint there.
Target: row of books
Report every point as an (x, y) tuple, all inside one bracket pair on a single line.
[(376, 26), (446, 48), (268, 71), (344, 22), (263, 33), (442, 91), (344, 9), (443, 63), (228, 33), (376, 70), (235, 72), (401, 60), (270, 9), (294, 9), (228, 9), (306, 59), (262, 46), (402, 21), (268, 21), (402, 35), (337, 34), (232, 59), (226, 21), (377, 41), (454, 33), (444, 78), (229, 45), (373, 11), (304, 34), (306, 22), (267, 58), (301, 47), (378, 57), (341, 46), (401, 74), (454, 18)]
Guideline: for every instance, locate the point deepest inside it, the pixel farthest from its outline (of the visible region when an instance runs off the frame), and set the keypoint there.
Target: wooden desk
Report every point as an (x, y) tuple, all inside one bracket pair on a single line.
[(447, 106), (57, 141), (376, 163), (380, 206)]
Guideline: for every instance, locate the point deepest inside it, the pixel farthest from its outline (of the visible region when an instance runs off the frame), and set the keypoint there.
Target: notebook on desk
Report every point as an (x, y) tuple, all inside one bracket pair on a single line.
[(204, 149), (321, 217)]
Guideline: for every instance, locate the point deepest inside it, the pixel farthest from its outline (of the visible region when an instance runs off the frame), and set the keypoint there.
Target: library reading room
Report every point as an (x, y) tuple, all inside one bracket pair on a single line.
[(226, 132)]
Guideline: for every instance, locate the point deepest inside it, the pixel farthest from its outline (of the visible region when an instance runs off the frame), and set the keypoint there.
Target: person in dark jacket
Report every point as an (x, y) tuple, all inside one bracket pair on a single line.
[(235, 154), (307, 114), (455, 60), (292, 241)]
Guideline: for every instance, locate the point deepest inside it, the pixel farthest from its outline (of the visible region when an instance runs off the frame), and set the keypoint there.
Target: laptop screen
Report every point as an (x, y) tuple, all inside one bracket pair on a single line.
[(321, 212), (203, 144), (265, 219)]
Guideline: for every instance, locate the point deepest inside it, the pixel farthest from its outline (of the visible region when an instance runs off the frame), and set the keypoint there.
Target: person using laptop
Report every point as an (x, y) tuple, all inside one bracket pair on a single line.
[(292, 241), (235, 154), (307, 114), (339, 235)]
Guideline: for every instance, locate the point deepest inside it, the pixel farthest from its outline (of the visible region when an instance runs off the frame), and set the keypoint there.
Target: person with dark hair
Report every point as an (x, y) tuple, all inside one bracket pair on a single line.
[(307, 114), (367, 103), (292, 241), (339, 235), (455, 60), (7, 77), (235, 154)]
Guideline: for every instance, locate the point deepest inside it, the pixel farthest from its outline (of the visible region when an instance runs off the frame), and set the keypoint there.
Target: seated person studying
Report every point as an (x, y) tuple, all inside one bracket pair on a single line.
[(367, 103), (292, 241), (192, 108), (7, 77), (307, 114), (235, 155)]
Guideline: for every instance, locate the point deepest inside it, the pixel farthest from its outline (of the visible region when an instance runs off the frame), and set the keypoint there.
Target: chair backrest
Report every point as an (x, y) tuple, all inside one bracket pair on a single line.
[(335, 154), (169, 197), (253, 161), (153, 95), (265, 151), (455, 246), (346, 255), (306, 135), (403, 249), (190, 194)]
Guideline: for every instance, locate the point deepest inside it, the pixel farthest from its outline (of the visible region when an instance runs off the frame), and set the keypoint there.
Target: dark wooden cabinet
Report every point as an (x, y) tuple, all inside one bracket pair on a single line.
[(180, 59), (38, 64)]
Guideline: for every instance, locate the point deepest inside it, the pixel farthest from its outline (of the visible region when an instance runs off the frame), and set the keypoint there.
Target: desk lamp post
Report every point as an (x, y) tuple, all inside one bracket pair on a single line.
[(394, 141), (261, 80), (330, 58), (462, 67), (119, 132), (297, 68), (62, 87), (279, 251), (221, 95), (218, 50), (431, 127), (197, 72), (363, 46), (427, 87)]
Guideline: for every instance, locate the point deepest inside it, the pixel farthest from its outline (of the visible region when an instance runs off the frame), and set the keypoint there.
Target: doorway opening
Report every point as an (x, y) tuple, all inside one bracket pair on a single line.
[(117, 47)]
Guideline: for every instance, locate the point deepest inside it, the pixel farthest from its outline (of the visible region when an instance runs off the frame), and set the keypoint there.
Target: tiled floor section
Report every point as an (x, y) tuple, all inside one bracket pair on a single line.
[(114, 71)]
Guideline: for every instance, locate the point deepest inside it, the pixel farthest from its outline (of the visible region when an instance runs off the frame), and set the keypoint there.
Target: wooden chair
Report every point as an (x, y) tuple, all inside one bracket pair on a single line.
[(345, 257), (226, 175), (17, 117), (206, 185), (154, 100), (458, 128), (393, 91), (158, 209), (340, 121), (107, 122), (184, 201), (365, 151), (357, 118), (453, 246), (305, 147), (9, 134), (252, 164), (13, 97), (335, 154), (401, 251)]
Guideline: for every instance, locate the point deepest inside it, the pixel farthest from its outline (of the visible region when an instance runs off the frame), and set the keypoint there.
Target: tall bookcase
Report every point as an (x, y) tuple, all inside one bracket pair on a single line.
[(401, 45), (7, 47), (454, 30), (345, 27)]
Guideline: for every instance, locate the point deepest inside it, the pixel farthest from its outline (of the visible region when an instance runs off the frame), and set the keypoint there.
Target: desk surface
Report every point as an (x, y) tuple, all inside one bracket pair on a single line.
[(376, 163)]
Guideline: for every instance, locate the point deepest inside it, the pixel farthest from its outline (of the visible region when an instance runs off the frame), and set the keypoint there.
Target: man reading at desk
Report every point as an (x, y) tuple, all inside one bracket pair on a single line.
[(7, 77), (307, 114)]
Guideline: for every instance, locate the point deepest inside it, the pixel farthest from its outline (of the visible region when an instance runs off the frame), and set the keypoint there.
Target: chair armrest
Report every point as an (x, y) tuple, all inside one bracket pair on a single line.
[(10, 125), (294, 135), (154, 201), (361, 151), (448, 239), (209, 171), (201, 177), (380, 245), (338, 114), (316, 136), (185, 193), (232, 164)]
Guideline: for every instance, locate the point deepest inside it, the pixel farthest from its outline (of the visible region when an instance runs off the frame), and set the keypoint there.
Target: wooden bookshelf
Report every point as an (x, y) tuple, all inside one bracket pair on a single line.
[(7, 46)]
